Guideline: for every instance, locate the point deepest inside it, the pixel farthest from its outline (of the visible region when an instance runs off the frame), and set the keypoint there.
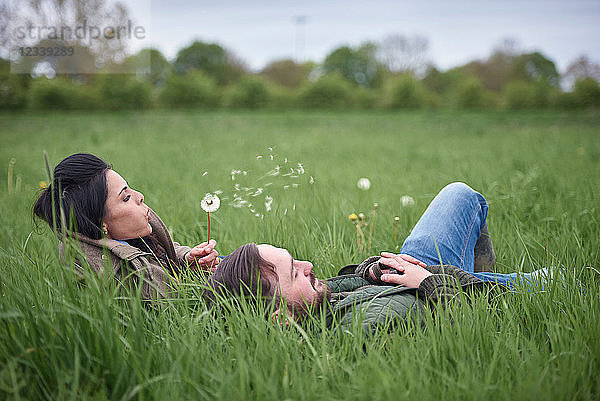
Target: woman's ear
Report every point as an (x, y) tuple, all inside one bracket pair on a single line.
[(105, 230), (282, 317)]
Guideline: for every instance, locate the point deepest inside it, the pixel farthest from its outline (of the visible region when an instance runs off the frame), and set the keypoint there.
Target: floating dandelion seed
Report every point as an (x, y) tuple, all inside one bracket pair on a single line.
[(270, 149), (259, 157), (312, 180), (364, 184), (407, 201), (204, 173), (271, 156), (268, 202)]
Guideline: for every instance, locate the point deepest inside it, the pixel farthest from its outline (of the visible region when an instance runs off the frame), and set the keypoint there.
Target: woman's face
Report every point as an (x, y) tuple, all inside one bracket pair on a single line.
[(127, 216)]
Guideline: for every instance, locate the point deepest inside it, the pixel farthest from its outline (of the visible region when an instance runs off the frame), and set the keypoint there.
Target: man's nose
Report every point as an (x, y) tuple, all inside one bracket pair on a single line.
[(307, 268)]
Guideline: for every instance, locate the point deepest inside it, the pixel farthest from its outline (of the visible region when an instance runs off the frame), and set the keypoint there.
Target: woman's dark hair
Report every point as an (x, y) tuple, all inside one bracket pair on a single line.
[(79, 188), (242, 273)]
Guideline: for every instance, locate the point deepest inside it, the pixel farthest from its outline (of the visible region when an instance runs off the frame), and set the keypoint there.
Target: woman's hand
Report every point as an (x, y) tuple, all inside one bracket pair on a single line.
[(412, 269), (204, 256)]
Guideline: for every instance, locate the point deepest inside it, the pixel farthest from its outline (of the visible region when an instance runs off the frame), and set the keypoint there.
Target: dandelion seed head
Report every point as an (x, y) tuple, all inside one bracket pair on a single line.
[(364, 184), (407, 200), (210, 203)]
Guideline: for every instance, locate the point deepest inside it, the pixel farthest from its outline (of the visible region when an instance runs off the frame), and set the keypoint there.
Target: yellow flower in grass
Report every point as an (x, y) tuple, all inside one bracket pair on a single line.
[(353, 217), (43, 185)]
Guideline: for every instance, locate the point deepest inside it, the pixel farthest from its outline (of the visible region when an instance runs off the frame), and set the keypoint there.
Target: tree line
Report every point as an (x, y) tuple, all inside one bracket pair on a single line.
[(392, 74)]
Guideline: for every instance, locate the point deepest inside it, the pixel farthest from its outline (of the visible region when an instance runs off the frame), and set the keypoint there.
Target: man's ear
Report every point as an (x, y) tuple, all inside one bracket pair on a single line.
[(282, 317)]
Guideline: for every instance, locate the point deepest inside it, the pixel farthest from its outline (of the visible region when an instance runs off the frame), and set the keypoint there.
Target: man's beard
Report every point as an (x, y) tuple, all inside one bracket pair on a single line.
[(303, 309)]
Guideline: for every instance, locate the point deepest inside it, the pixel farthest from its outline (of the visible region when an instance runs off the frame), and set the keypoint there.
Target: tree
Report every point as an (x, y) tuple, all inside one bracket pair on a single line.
[(287, 72), (400, 53), (579, 69), (535, 67), (212, 59), (151, 64), (359, 66), (97, 32)]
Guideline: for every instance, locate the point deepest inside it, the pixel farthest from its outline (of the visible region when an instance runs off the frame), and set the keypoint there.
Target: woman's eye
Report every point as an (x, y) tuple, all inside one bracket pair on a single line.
[(126, 198)]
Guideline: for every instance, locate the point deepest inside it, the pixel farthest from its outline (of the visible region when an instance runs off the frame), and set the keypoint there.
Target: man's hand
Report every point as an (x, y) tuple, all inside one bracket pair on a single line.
[(412, 269), (204, 256)]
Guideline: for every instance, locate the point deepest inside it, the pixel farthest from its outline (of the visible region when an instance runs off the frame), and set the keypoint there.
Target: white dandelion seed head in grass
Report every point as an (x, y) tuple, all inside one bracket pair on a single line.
[(210, 203), (364, 184), (407, 201)]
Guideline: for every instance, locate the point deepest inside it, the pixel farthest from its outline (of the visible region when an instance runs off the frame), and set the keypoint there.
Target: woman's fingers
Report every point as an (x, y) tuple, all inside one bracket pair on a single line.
[(403, 256), (412, 260), (393, 263)]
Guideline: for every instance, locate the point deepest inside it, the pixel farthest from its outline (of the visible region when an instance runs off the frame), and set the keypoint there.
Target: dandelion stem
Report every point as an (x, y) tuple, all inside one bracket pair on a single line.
[(208, 214), (9, 178), (371, 229)]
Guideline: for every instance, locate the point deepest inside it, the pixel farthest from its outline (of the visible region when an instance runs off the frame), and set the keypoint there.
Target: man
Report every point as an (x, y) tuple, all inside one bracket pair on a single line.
[(392, 286)]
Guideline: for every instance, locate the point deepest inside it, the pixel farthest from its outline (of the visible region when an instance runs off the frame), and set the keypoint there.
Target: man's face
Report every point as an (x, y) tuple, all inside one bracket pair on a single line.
[(296, 280)]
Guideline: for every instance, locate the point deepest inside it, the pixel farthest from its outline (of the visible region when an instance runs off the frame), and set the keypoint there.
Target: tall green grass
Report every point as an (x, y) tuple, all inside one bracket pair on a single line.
[(60, 339)]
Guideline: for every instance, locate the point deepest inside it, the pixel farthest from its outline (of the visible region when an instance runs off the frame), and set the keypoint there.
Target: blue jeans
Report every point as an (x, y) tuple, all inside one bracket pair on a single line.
[(453, 221)]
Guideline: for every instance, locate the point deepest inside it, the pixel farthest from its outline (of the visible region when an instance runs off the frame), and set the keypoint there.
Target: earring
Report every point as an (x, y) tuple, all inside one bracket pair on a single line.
[(105, 231)]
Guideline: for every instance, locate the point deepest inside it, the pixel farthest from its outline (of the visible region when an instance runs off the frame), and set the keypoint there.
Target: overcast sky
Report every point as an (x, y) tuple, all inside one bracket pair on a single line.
[(458, 30)]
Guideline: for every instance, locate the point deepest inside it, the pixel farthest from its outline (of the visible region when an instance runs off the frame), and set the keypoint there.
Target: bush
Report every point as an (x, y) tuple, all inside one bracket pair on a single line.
[(470, 94), (61, 94), (366, 98), (527, 95), (587, 93), (193, 89), (122, 92), (329, 92), (520, 95), (13, 92), (250, 93), (407, 93)]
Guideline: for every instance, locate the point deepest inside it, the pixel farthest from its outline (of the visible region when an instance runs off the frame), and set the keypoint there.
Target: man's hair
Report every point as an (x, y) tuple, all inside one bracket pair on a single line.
[(243, 273)]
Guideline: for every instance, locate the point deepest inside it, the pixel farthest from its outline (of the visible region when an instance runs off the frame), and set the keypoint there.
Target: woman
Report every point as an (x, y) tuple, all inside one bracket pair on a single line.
[(92, 204)]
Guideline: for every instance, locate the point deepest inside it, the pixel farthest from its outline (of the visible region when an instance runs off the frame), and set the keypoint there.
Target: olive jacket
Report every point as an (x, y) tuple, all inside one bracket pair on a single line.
[(355, 295), (129, 265)]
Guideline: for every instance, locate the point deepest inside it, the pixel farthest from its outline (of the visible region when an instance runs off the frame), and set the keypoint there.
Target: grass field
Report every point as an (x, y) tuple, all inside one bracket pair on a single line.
[(539, 171)]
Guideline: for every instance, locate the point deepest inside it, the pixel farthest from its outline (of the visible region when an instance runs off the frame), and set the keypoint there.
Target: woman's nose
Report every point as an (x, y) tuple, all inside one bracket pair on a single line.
[(141, 197)]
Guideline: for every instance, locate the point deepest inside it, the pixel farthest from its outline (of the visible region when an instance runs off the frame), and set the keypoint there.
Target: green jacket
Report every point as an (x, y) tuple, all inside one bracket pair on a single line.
[(355, 295)]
